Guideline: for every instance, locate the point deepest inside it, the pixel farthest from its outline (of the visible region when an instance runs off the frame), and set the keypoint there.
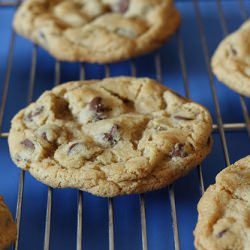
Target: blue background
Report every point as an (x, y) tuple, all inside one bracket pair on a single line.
[(126, 209)]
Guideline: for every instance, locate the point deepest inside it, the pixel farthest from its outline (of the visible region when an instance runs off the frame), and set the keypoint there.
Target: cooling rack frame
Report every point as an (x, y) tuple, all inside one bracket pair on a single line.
[(218, 127)]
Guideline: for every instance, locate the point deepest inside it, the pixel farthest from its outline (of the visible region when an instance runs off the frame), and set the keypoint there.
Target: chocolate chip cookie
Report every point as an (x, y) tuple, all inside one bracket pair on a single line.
[(110, 137), (231, 61), (100, 31), (7, 226), (224, 210)]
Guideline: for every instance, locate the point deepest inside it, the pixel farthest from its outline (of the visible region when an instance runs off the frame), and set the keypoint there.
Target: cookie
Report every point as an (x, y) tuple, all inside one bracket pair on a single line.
[(224, 210), (100, 31), (110, 137), (7, 226), (231, 61)]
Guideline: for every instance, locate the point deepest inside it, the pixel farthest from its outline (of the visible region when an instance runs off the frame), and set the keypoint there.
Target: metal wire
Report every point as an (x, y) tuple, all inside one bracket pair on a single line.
[(19, 207), (57, 73), (243, 10), (211, 80), (230, 127), (32, 74), (7, 77), (219, 127), (82, 72), (48, 219), (143, 223), (2, 108), (79, 220), (80, 193), (141, 196), (225, 33), (170, 188), (158, 66), (110, 200), (242, 99), (8, 4), (187, 94), (22, 174), (50, 190), (111, 224), (174, 217), (183, 64)]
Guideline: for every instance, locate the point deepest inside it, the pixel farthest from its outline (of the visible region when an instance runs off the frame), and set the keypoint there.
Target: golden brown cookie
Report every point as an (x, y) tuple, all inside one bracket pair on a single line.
[(231, 60), (224, 210), (110, 137), (7, 226), (97, 30)]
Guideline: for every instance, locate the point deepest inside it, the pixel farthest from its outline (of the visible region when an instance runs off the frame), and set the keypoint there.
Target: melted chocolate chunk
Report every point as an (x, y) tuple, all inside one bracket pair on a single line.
[(111, 136), (126, 101), (180, 117), (121, 6), (97, 105), (33, 113), (178, 151), (28, 143), (221, 233), (72, 146)]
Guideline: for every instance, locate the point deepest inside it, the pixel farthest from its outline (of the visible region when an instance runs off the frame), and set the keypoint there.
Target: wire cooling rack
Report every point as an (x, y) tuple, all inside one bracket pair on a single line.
[(69, 219)]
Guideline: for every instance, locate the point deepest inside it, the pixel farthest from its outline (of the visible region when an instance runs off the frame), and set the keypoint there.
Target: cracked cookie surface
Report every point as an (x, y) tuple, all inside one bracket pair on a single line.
[(224, 210), (7, 226), (110, 137), (97, 30), (231, 60)]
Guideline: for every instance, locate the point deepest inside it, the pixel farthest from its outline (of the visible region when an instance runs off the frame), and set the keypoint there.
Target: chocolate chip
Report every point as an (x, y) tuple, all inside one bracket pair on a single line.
[(44, 136), (97, 105), (72, 146), (178, 151), (185, 118), (126, 101), (121, 6), (233, 50), (38, 110), (33, 113), (221, 233), (42, 36), (28, 143), (159, 128), (111, 136), (209, 141), (18, 158)]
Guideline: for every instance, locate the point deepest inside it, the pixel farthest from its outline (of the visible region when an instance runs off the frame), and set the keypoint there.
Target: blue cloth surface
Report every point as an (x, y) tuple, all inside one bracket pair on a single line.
[(127, 208)]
